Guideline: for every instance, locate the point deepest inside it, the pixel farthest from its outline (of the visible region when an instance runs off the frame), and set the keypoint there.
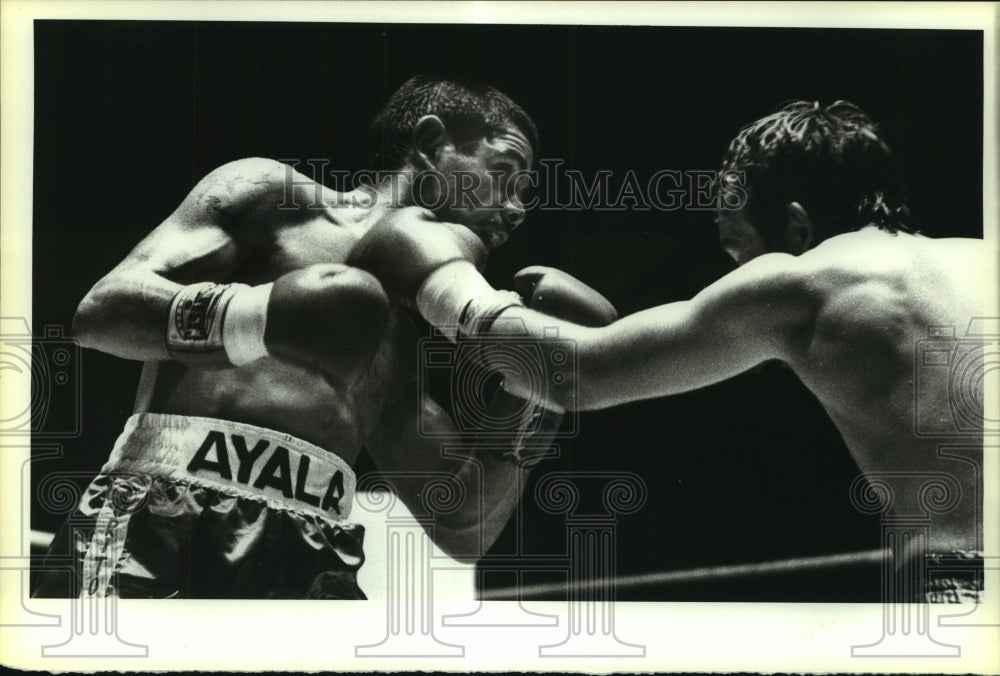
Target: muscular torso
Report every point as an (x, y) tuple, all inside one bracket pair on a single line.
[(281, 396), (878, 295)]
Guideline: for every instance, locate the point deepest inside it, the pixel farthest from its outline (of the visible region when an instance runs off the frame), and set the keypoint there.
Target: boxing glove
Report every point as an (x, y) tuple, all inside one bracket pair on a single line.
[(328, 318), (558, 294), (407, 245)]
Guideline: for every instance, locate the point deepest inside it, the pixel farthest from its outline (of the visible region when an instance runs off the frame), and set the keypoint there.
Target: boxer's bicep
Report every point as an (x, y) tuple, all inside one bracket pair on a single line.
[(125, 311), (231, 211), (750, 316)]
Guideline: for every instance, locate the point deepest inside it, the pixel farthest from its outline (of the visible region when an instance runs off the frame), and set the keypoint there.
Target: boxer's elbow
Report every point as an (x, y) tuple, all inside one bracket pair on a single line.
[(84, 326), (467, 537), (94, 325), (463, 543), (125, 315), (571, 385), (595, 385)]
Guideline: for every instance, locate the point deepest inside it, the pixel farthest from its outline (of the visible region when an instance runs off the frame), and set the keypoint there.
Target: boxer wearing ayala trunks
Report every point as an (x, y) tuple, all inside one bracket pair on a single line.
[(271, 359), (830, 282)]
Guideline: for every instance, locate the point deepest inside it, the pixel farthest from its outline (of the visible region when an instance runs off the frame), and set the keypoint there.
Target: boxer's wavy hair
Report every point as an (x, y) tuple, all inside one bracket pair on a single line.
[(470, 111), (830, 160)]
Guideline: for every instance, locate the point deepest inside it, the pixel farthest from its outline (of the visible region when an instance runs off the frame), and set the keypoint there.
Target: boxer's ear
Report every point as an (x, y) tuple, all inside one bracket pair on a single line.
[(429, 136), (800, 231)]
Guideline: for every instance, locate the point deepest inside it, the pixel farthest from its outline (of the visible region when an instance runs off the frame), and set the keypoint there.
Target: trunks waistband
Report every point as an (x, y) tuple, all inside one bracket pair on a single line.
[(238, 459)]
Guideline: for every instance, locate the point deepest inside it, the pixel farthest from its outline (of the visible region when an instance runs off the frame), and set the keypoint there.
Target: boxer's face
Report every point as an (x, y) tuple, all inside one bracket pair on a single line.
[(738, 236), (485, 194), (483, 191)]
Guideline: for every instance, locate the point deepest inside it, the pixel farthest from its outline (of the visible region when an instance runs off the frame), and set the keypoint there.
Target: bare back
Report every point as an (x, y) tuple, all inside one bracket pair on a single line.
[(850, 316), (878, 296)]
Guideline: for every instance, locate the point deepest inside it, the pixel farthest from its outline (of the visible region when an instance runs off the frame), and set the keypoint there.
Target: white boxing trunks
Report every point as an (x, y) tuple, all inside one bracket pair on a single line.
[(204, 508)]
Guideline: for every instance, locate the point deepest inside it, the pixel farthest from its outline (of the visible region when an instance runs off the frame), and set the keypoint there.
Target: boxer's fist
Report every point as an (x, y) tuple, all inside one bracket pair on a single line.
[(406, 246), (328, 318), (558, 294)]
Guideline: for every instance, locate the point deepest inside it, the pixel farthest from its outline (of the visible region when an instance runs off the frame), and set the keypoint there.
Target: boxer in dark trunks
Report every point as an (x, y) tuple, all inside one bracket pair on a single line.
[(271, 360)]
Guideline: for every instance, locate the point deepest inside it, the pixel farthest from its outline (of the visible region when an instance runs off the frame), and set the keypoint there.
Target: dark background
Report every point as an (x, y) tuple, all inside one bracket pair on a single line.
[(129, 115)]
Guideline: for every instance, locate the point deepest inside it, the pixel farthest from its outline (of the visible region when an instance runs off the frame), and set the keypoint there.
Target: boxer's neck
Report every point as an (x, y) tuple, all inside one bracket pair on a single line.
[(394, 191)]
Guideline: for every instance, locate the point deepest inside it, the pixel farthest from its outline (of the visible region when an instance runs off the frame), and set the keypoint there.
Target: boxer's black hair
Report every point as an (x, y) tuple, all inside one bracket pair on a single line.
[(470, 111), (830, 160)]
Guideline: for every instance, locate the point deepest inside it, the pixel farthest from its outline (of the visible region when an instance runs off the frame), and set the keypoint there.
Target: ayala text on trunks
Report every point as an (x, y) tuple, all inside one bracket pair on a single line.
[(273, 469)]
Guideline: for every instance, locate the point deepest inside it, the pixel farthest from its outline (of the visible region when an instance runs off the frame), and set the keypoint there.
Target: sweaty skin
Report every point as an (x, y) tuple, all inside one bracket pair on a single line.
[(251, 221), (230, 228), (846, 316)]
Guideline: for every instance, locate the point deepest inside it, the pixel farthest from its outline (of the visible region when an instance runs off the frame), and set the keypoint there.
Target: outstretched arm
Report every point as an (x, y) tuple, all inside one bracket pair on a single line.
[(764, 310), (761, 311)]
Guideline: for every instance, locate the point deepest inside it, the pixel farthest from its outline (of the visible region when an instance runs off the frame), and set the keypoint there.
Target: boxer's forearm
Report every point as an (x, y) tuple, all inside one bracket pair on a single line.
[(561, 345), (415, 452), (125, 314), (657, 352), (532, 427), (493, 490), (505, 461), (478, 491), (750, 316), (674, 348)]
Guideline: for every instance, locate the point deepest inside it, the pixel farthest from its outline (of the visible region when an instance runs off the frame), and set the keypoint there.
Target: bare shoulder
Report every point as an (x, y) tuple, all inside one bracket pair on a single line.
[(244, 174), (874, 257), (251, 195), (248, 185), (769, 302), (857, 278), (881, 287), (773, 293), (232, 208), (849, 284), (770, 277)]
